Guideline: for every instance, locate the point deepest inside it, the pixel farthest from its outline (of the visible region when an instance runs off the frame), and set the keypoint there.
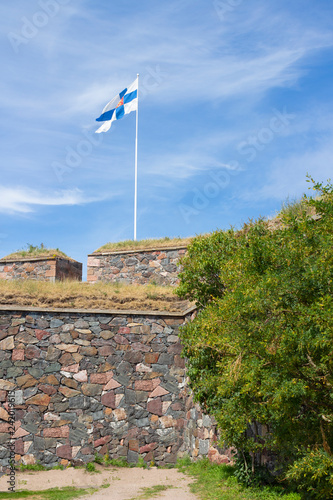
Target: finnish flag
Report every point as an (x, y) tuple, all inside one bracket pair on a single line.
[(123, 104)]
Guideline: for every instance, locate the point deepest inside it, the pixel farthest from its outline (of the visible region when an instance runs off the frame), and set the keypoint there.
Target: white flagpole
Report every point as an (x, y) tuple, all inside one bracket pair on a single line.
[(136, 165)]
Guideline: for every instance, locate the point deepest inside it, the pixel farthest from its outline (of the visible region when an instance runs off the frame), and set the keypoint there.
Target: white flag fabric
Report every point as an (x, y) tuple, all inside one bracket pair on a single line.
[(121, 105)]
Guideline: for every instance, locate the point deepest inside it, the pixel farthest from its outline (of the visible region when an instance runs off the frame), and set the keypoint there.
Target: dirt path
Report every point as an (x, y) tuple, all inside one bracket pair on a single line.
[(125, 484)]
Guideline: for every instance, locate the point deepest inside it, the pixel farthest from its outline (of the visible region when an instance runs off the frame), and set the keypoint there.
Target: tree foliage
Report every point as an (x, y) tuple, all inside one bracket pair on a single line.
[(260, 351)]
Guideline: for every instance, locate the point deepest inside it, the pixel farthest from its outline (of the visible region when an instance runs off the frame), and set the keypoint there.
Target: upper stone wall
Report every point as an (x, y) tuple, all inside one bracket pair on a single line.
[(159, 266), (41, 269)]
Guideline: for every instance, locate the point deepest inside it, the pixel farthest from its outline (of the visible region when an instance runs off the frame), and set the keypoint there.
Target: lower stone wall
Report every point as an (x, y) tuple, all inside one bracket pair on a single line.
[(160, 266), (201, 437), (96, 382), (41, 269)]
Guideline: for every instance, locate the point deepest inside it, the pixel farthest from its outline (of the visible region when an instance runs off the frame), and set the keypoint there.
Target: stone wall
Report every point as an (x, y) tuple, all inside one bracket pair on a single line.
[(159, 266), (41, 269), (87, 382)]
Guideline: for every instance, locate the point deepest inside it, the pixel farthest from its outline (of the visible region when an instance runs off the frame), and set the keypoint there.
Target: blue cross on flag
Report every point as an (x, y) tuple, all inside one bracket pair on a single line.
[(123, 104)]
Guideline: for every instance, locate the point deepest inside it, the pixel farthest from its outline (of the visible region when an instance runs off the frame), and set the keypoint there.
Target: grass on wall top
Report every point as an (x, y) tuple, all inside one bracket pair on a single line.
[(37, 251), (144, 244), (78, 295)]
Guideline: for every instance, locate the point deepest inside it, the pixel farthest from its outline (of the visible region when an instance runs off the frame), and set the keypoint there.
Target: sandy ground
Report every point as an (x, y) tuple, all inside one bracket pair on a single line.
[(124, 483)]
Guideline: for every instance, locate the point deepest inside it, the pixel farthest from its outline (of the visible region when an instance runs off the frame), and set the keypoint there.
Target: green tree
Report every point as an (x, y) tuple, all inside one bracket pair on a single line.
[(260, 351)]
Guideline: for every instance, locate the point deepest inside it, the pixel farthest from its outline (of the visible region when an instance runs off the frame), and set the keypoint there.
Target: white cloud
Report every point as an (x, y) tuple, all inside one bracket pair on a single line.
[(183, 165), (23, 200), (203, 61), (195, 64), (204, 65)]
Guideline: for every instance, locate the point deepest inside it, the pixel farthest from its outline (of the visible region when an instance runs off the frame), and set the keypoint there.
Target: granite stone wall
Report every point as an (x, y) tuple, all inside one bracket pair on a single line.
[(41, 269), (86, 382), (159, 266)]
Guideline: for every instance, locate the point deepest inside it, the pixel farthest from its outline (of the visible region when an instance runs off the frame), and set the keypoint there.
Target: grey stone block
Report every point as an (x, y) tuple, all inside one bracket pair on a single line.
[(206, 421), (50, 459), (165, 359), (50, 443), (60, 407), (160, 368), (96, 407), (14, 371), (37, 371), (203, 446), (28, 393), (4, 453), (171, 386), (141, 396), (6, 363), (32, 418), (39, 443), (130, 396), (142, 422), (79, 402), (66, 338), (132, 457), (98, 415), (68, 416), (31, 428), (76, 435), (55, 323), (53, 367), (4, 438)]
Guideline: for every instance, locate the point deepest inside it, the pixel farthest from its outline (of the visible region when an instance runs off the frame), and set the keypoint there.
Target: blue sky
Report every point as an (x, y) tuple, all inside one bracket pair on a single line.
[(235, 109)]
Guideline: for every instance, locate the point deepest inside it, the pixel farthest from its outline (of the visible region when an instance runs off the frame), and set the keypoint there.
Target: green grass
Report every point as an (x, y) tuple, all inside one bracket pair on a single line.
[(144, 244), (142, 463), (36, 467), (105, 485), (98, 459), (91, 467), (151, 492), (217, 482), (117, 462), (36, 251), (66, 493)]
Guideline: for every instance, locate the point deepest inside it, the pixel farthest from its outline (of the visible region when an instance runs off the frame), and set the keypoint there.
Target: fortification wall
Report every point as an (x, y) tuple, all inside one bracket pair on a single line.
[(41, 269), (87, 382), (159, 266)]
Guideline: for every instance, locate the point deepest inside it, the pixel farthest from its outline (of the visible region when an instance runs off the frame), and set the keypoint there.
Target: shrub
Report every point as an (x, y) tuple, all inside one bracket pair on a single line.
[(313, 474), (259, 352)]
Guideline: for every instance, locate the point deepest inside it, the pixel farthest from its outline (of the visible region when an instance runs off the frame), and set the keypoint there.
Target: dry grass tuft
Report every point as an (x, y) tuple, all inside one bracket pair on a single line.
[(144, 244), (73, 294)]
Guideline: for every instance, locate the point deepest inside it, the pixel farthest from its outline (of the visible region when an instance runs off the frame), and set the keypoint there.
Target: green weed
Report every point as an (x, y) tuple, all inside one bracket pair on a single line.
[(116, 462), (35, 467), (142, 463), (67, 493), (90, 467), (152, 491), (218, 482), (98, 459)]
